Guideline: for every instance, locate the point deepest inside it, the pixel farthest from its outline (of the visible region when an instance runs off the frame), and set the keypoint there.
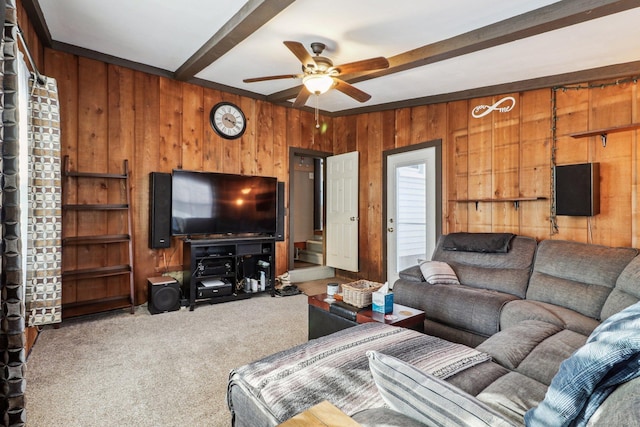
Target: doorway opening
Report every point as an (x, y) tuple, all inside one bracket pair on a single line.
[(306, 209), (413, 205)]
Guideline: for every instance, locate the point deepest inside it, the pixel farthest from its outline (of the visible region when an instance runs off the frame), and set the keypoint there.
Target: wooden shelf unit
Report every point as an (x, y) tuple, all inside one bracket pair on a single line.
[(515, 200), (123, 241), (605, 131)]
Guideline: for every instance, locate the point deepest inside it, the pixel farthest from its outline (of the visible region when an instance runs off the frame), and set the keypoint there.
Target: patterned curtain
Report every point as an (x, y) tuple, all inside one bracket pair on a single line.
[(12, 354), (43, 294)]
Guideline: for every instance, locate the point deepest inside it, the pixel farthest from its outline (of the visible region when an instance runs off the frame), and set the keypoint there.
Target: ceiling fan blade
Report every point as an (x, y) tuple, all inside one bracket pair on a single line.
[(351, 90), (364, 65), (300, 52), (282, 76), (302, 97)]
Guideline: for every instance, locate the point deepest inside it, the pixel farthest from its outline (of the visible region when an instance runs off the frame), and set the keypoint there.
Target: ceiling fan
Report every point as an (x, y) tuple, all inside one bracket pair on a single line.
[(319, 74)]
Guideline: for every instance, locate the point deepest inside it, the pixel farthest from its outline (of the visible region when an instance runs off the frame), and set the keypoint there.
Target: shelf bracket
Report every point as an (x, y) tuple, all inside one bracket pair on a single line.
[(603, 138), (477, 202), (516, 204)]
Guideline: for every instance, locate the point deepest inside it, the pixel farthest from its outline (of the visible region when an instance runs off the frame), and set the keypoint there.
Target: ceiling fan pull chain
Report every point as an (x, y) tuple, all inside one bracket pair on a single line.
[(316, 113)]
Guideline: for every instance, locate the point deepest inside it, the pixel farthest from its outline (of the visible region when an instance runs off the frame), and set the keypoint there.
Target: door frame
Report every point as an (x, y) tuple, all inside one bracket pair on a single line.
[(293, 152), (437, 143)]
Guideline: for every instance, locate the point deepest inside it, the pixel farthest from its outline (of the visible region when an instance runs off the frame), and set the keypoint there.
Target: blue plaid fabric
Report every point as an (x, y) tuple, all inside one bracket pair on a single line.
[(610, 357)]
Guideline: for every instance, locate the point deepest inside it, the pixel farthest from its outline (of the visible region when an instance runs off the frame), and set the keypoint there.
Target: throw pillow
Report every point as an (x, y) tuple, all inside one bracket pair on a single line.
[(438, 272), (427, 398)]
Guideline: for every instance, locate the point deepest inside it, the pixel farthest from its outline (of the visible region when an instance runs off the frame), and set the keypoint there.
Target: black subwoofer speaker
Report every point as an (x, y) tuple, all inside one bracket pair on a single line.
[(164, 295), (159, 210), (577, 189)]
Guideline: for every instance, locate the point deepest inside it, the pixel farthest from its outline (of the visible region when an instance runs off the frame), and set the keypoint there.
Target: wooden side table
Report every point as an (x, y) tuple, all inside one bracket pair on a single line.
[(323, 322)]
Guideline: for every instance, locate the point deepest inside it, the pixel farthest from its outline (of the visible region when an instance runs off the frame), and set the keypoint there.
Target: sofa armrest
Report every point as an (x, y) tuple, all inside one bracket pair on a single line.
[(412, 274)]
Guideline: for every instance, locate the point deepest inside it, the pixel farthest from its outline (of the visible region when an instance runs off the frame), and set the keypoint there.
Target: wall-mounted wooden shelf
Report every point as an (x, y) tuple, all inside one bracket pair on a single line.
[(605, 131), (515, 200)]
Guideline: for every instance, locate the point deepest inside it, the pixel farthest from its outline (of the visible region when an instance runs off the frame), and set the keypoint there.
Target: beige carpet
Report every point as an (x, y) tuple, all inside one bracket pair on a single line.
[(169, 369), (315, 287)]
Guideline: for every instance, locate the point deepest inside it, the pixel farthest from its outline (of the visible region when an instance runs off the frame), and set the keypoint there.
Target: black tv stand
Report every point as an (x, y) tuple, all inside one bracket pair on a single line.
[(218, 269)]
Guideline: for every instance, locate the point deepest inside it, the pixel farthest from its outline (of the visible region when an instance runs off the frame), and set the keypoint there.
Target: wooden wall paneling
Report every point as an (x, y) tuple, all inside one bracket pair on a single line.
[(121, 125), (212, 150), (247, 142), (436, 122), (64, 68), (572, 115), (171, 104), (191, 144), (535, 163), (612, 106), (419, 125), (480, 173), (281, 171), (231, 147), (264, 139), (505, 166), (323, 136), (344, 134), (403, 127), (93, 155), (455, 168), (374, 221), (362, 136), (146, 159)]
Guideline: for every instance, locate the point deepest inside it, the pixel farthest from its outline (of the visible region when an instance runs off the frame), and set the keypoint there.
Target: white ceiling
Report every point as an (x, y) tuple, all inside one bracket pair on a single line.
[(166, 34)]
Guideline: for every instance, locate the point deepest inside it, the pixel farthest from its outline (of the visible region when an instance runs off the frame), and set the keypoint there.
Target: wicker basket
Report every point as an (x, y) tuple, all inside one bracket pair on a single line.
[(359, 293)]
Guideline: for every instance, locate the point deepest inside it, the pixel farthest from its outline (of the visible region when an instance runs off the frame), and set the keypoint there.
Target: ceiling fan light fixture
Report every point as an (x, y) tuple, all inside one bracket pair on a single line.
[(317, 83)]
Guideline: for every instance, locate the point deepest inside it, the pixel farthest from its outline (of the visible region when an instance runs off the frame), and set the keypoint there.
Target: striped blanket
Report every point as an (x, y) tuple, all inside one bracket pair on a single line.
[(336, 368)]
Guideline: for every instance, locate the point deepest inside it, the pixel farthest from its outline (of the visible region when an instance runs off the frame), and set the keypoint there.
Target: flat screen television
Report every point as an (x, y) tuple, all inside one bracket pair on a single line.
[(219, 203)]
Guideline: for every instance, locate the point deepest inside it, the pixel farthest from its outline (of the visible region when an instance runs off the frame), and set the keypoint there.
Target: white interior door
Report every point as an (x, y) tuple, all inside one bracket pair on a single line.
[(342, 211), (411, 209)]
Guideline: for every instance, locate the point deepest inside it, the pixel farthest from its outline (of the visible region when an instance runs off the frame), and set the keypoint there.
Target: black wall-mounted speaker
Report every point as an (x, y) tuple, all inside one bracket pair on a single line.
[(280, 213), (577, 189), (159, 210), (164, 295)]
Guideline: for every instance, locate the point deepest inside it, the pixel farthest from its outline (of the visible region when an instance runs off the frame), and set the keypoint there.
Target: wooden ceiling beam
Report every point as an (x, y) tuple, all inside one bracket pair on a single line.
[(253, 15), (552, 17)]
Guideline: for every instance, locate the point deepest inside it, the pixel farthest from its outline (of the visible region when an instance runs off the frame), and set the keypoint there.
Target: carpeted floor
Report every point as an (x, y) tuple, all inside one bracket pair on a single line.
[(169, 369), (315, 287)]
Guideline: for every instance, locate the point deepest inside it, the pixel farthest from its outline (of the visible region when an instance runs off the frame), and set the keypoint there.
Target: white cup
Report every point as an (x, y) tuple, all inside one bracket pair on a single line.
[(332, 289)]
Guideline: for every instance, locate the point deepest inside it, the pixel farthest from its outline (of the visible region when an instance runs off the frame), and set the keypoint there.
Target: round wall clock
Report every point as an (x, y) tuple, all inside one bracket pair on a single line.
[(227, 120)]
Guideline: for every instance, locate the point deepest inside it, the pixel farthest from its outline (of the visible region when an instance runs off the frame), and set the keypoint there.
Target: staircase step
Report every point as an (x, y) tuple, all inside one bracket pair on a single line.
[(311, 273), (311, 256), (314, 246)]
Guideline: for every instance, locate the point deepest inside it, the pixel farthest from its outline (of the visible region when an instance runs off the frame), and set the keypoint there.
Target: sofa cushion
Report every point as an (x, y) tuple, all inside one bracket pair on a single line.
[(505, 272), (517, 311), (512, 395), (376, 417), (578, 276), (466, 308), (427, 398), (626, 291), (610, 357), (438, 272)]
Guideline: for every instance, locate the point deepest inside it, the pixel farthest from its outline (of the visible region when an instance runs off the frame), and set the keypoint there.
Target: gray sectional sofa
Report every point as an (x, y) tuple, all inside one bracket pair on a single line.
[(512, 325)]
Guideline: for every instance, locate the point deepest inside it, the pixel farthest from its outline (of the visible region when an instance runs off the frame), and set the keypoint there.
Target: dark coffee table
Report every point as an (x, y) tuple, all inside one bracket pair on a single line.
[(324, 322)]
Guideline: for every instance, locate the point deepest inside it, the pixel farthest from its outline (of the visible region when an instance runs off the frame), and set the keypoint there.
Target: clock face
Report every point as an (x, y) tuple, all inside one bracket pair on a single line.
[(227, 120)]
